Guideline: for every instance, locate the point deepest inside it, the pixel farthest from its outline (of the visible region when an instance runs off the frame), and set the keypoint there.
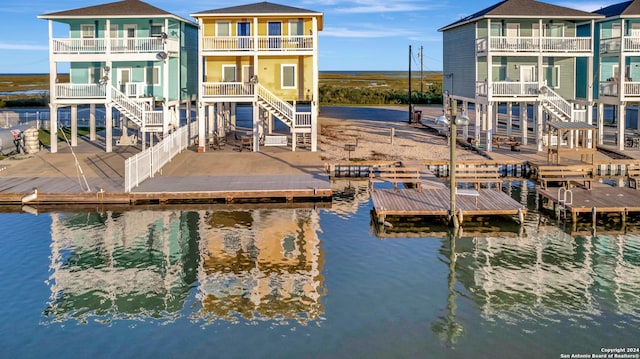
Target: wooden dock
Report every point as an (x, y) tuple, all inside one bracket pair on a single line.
[(602, 199), (435, 203)]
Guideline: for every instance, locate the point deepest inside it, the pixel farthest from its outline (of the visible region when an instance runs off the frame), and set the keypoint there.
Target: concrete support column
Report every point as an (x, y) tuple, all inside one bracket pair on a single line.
[(92, 122), (509, 118), (108, 127), (538, 122), (233, 115), (621, 125), (524, 122), (201, 127), (53, 131), (74, 125), (476, 128), (256, 127), (211, 118), (484, 118), (490, 114), (600, 123)]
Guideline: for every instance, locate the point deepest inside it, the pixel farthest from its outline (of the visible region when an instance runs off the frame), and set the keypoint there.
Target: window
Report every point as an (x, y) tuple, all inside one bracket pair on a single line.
[(496, 29), (535, 30), (113, 31), (554, 30), (228, 73), (296, 28), (223, 28), (153, 75), (156, 30), (552, 76), (88, 31), (499, 72), (288, 76), (94, 75)]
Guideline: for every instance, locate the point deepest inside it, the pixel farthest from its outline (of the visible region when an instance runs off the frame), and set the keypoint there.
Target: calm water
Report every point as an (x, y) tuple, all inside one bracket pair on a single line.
[(322, 283)]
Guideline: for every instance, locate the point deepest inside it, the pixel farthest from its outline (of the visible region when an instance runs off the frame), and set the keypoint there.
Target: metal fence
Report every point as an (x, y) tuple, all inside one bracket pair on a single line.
[(42, 119), (147, 163)]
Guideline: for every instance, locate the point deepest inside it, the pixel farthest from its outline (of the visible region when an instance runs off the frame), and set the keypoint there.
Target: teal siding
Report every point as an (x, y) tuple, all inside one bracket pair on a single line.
[(459, 60)]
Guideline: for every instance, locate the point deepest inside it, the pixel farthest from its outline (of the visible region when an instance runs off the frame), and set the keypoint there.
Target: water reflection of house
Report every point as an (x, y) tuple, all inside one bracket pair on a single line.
[(261, 264), (551, 272), (130, 265)]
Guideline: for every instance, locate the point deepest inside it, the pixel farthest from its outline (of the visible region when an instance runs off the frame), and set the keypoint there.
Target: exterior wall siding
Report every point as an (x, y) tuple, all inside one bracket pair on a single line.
[(459, 60)]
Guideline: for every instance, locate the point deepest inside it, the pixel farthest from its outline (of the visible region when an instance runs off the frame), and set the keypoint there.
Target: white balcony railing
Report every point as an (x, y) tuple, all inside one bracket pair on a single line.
[(132, 45), (264, 43), (608, 88), (611, 88), (613, 45), (79, 91), (515, 88), (134, 89), (507, 88), (227, 89), (533, 44)]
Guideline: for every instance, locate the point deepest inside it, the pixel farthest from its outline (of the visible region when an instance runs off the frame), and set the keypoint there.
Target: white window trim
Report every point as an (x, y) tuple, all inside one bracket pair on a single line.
[(291, 22), (113, 31), (235, 72), (243, 22), (126, 28), (93, 31), (246, 67), (228, 23), (269, 22), (507, 25), (547, 29), (155, 25), (146, 72), (557, 67), (295, 76), (498, 25), (91, 71)]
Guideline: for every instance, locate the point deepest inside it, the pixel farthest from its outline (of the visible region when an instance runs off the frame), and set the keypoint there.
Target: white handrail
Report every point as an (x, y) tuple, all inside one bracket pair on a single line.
[(147, 163), (553, 98)]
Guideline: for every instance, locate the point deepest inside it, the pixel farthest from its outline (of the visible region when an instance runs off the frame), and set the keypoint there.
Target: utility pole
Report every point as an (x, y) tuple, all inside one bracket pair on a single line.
[(410, 105), (421, 66)]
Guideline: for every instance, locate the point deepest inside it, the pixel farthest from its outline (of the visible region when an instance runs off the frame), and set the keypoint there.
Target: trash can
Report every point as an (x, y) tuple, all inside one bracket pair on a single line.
[(417, 116)]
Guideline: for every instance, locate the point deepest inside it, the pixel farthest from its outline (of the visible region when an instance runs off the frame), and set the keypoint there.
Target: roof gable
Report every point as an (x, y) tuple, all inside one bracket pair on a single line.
[(257, 8), (524, 9), (127, 8), (624, 9)]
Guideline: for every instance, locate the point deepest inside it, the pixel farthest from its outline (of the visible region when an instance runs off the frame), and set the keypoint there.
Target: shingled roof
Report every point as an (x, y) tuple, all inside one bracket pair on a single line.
[(524, 9), (623, 9), (261, 8), (124, 8)]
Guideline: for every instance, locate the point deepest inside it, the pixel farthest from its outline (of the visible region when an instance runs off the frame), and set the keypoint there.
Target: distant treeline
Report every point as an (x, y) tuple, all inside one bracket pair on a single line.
[(379, 88), (331, 94)]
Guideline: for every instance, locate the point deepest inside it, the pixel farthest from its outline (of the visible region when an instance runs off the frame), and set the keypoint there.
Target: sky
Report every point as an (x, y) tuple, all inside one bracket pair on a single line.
[(358, 35)]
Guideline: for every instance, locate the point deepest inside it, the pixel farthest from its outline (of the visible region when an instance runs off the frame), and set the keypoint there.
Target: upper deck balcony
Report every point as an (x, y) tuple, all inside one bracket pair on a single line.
[(510, 89), (528, 44), (613, 45), (278, 44), (127, 48)]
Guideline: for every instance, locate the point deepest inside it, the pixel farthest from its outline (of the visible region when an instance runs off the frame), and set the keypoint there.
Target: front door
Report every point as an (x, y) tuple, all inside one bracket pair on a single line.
[(124, 77), (274, 29), (527, 73), (130, 36)]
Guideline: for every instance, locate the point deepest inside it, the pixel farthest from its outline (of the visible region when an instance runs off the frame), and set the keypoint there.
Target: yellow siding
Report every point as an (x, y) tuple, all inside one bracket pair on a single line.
[(270, 75), (209, 25), (214, 65)]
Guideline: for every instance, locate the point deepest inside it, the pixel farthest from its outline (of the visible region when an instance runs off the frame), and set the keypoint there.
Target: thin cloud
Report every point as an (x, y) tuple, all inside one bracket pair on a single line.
[(4, 46), (363, 32)]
